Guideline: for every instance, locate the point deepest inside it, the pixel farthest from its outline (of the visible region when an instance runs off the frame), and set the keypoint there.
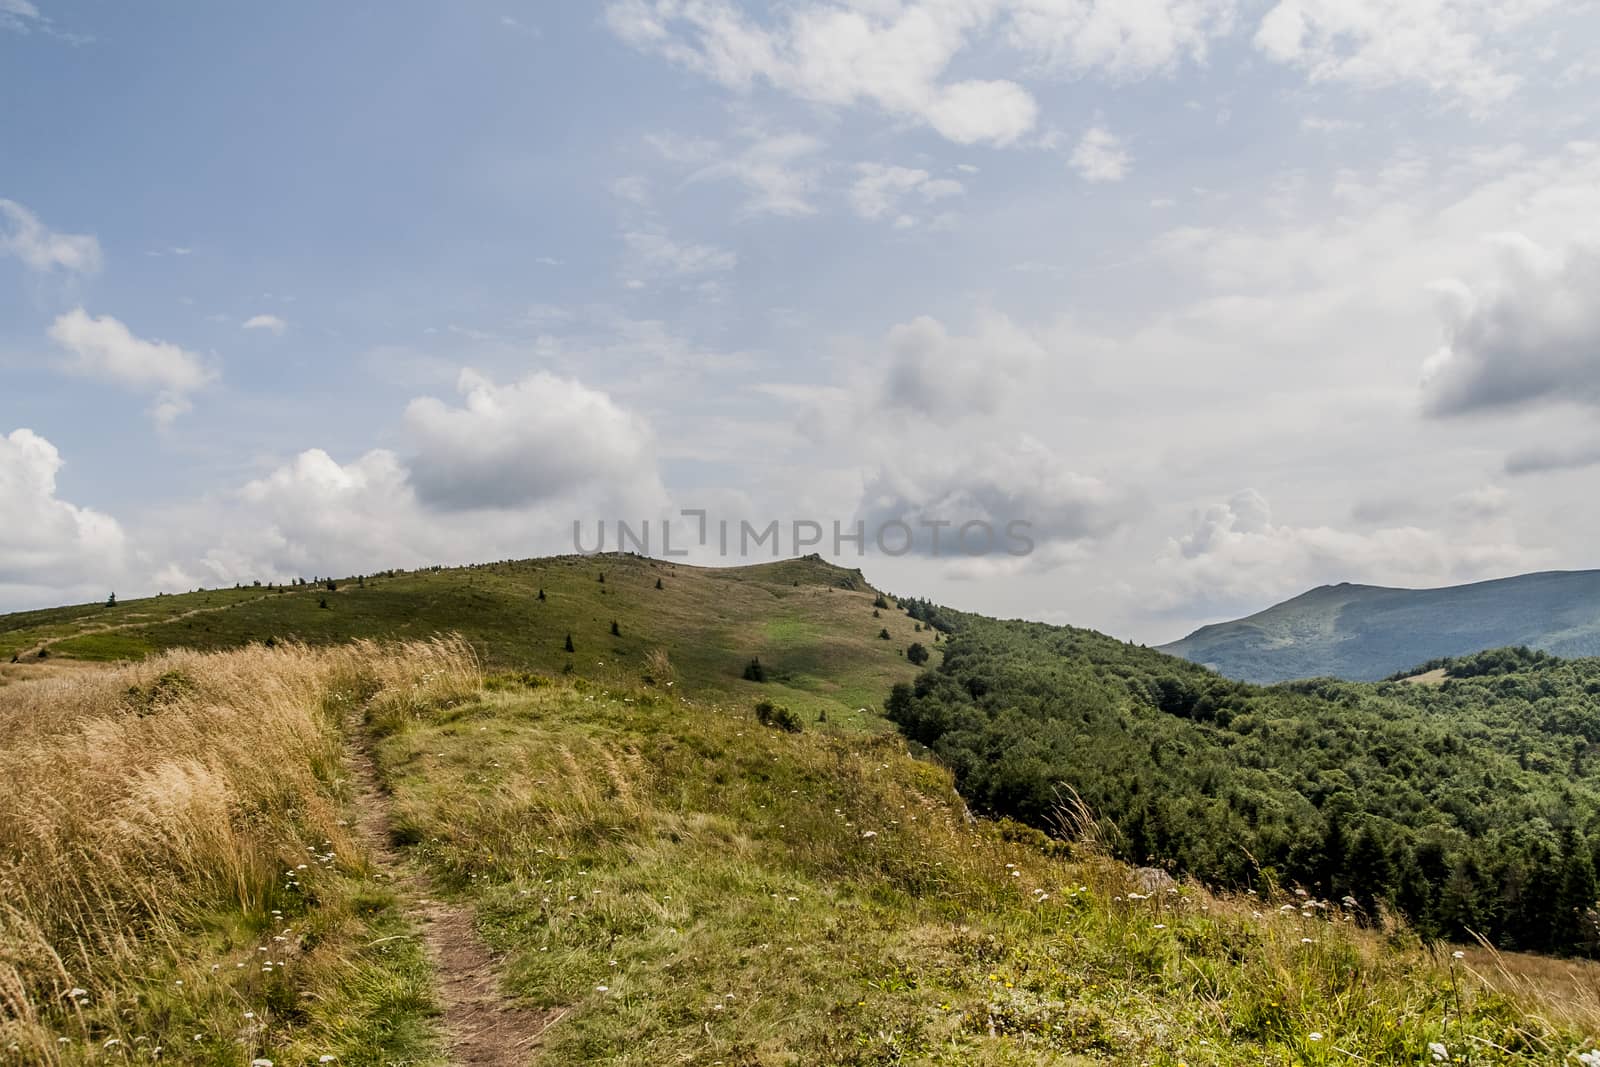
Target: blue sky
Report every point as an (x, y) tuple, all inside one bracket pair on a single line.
[(1229, 299)]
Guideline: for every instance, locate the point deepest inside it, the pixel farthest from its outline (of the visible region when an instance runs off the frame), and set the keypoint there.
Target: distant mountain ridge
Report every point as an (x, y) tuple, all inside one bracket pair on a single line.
[(1367, 632)]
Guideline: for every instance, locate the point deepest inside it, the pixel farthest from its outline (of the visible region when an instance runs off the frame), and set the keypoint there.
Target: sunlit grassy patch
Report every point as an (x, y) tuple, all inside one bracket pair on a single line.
[(690, 886)]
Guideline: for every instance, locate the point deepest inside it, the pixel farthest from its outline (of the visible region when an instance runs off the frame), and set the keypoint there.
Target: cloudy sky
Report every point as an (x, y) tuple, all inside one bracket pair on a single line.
[(1228, 298)]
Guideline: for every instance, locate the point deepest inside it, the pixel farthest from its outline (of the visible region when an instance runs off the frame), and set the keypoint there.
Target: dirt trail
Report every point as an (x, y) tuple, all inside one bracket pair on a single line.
[(482, 1027)]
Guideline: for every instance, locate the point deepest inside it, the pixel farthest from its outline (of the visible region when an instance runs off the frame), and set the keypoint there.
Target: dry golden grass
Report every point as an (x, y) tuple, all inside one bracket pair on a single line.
[(139, 804)]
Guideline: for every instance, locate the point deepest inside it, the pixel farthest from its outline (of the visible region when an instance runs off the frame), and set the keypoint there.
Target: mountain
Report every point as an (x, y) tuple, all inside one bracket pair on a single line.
[(1367, 632)]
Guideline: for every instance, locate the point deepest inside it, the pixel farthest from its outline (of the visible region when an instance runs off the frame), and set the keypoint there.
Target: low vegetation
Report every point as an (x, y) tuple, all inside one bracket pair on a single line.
[(682, 885), (180, 879)]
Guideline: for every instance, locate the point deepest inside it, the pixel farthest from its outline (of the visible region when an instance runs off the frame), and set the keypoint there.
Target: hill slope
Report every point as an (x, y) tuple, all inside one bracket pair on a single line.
[(1364, 632), (625, 876), (813, 625)]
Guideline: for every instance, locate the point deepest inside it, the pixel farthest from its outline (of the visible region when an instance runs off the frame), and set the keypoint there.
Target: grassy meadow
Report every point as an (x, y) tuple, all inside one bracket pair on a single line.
[(181, 882), (661, 877)]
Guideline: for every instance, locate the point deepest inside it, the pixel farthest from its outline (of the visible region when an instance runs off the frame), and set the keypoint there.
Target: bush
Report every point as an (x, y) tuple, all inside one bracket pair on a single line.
[(778, 716), (568, 646), (880, 602), (884, 633), (917, 653), (616, 631), (754, 671)]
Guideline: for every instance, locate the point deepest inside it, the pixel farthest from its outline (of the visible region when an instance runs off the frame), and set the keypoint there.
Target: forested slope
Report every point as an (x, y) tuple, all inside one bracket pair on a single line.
[(1468, 806)]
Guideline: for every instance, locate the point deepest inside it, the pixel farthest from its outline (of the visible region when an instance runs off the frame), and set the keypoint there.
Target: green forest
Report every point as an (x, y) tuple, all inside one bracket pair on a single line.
[(1467, 805)]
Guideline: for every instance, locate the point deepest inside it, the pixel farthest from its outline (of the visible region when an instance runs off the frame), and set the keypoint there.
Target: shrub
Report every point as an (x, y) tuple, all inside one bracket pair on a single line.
[(541, 593), (880, 602), (616, 631), (778, 716), (568, 646), (917, 653), (658, 583), (754, 671), (884, 633)]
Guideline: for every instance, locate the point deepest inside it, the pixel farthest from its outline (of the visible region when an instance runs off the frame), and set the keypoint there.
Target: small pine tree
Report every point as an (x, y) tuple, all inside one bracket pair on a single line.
[(876, 614), (754, 671), (332, 586), (884, 633), (111, 601), (880, 602), (569, 647), (541, 594), (616, 631), (322, 603), (602, 577), (658, 583), (917, 653)]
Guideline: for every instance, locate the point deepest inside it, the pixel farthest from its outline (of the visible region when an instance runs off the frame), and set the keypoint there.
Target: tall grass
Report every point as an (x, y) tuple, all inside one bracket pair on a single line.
[(175, 848)]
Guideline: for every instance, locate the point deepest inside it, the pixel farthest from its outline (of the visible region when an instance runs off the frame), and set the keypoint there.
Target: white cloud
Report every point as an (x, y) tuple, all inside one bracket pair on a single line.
[(1100, 156), (1121, 38), (892, 56), (1445, 46), (41, 249), (1235, 558), (1529, 334), (19, 16), (270, 323), (776, 170), (1018, 481), (931, 373), (510, 446), (56, 550), (653, 254), (103, 348), (879, 189)]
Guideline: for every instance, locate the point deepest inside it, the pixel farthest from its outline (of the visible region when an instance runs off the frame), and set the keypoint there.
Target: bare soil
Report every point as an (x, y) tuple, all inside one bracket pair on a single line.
[(483, 1027)]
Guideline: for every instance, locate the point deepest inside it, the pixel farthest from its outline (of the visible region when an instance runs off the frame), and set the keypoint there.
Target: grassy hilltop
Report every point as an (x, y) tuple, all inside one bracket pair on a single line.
[(811, 624), (457, 851)]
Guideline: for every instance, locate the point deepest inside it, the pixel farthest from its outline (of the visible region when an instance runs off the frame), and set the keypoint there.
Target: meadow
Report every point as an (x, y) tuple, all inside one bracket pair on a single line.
[(262, 852)]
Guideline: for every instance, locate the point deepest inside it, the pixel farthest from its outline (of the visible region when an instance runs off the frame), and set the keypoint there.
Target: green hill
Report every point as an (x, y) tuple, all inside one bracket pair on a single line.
[(812, 624), (304, 840), (1363, 632)]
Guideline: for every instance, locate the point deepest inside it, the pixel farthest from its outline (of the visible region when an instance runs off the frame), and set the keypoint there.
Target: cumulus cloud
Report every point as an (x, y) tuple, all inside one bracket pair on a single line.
[(879, 190), (891, 56), (1553, 458), (1022, 481), (930, 372), (38, 247), (1236, 559), (1529, 334), (510, 446), (270, 323), (55, 550), (1442, 45), (104, 349), (1100, 156)]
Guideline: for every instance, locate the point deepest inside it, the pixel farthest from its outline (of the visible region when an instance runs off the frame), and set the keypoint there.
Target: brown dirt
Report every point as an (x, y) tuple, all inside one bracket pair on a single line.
[(483, 1028)]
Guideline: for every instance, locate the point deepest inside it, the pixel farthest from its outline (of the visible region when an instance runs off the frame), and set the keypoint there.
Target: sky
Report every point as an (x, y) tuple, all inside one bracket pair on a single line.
[(1222, 299)]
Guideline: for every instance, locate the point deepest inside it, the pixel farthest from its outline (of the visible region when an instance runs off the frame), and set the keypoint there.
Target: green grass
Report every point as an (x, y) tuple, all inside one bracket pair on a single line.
[(810, 622), (690, 887)]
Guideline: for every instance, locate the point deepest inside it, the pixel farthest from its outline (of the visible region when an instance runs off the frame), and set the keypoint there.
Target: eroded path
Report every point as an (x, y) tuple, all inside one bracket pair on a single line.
[(483, 1028)]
